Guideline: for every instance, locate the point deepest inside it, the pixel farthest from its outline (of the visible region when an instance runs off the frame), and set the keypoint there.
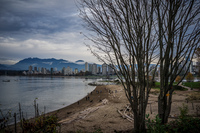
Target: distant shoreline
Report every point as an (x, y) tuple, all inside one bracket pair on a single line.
[(62, 76)]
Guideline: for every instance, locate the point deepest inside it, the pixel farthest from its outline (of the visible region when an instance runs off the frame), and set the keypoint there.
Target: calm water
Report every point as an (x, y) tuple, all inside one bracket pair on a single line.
[(53, 93)]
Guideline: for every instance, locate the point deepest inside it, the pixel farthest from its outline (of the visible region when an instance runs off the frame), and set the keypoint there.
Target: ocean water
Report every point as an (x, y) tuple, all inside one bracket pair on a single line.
[(50, 92)]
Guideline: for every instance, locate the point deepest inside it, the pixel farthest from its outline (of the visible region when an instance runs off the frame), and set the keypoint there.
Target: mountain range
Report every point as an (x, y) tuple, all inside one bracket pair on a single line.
[(46, 63)]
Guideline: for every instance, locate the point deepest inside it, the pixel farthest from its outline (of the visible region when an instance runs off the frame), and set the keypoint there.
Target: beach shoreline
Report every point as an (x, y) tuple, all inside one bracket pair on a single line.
[(92, 99), (98, 110), (103, 110)]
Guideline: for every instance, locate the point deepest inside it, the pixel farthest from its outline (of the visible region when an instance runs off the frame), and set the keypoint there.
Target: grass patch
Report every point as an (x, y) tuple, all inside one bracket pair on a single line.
[(157, 84), (157, 87), (192, 84)]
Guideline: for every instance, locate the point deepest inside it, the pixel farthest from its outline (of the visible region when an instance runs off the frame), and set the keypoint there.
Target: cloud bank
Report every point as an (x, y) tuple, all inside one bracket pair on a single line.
[(40, 28)]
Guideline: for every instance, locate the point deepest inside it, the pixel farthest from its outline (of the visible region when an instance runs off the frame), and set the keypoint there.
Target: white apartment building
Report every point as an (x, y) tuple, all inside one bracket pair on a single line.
[(99, 70), (94, 68), (110, 70), (30, 68), (75, 70), (64, 71), (104, 69), (90, 67), (44, 71), (39, 70), (69, 70), (86, 67)]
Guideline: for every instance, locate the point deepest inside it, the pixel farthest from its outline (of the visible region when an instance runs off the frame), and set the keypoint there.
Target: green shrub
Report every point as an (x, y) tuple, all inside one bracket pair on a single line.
[(153, 83), (154, 126), (183, 111), (179, 88), (42, 124), (185, 125)]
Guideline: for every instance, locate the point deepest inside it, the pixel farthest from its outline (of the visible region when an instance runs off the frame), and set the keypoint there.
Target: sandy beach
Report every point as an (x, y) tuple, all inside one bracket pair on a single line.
[(101, 110), (106, 109), (96, 111)]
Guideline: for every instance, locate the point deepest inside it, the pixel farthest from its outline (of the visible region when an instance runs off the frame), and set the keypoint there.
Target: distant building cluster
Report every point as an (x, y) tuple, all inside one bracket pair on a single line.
[(90, 69), (37, 71), (193, 67), (104, 69)]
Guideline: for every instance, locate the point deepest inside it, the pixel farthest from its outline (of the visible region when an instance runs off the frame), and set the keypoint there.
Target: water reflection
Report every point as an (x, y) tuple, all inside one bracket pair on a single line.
[(51, 92)]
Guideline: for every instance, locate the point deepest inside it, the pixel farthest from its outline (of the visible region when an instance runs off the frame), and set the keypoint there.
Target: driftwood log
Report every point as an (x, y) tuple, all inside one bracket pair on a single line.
[(124, 114)]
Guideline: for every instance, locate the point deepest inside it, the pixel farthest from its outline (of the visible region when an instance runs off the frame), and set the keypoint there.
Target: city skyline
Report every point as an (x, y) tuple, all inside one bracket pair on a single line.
[(96, 69), (93, 69), (42, 29)]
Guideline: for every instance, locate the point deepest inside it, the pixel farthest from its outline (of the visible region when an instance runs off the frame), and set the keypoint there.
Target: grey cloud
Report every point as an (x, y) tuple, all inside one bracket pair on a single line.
[(41, 28), (51, 15)]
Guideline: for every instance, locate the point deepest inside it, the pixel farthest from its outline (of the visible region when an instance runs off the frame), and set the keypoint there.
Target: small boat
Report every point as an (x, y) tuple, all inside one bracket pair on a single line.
[(6, 80)]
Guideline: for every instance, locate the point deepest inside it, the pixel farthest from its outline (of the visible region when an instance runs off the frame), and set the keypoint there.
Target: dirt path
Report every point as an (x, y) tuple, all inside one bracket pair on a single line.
[(189, 89)]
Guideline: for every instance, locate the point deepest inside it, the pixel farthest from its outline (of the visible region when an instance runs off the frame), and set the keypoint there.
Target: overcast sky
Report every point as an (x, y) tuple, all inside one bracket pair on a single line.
[(43, 29)]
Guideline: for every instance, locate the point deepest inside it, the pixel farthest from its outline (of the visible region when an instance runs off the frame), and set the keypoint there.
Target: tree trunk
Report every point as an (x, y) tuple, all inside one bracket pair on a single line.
[(139, 123), (139, 110), (164, 106)]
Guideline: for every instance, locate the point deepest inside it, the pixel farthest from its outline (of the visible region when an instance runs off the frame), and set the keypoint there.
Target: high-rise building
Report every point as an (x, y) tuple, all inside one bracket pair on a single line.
[(68, 70), (86, 67), (30, 68), (51, 71), (35, 69), (75, 70), (44, 70), (104, 69), (94, 68), (90, 67), (196, 67), (99, 70), (63, 71), (39, 70), (110, 69)]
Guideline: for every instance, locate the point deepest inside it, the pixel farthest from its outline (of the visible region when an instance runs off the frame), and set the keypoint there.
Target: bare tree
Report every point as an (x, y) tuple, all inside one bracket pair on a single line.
[(123, 36), (178, 32)]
